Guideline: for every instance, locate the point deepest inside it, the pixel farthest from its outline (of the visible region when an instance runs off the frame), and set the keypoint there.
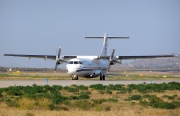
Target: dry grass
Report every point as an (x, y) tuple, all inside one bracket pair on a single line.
[(128, 75), (28, 104), (34, 76), (125, 111), (122, 107)]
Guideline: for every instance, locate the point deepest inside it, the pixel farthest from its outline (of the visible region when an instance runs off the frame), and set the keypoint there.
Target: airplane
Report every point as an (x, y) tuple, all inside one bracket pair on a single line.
[(89, 66)]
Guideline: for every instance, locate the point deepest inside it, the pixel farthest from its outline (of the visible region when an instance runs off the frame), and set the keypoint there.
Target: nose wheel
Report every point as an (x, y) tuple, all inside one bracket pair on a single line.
[(75, 77)]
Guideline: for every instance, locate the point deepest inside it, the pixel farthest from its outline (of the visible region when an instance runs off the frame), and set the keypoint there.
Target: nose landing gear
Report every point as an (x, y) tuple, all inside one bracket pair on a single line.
[(74, 77)]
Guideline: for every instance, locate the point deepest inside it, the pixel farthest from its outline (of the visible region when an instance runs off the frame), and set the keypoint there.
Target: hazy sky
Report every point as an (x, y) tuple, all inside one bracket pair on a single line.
[(41, 26)]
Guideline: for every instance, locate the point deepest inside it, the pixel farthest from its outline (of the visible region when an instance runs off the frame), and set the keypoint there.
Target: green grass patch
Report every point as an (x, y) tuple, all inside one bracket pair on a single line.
[(82, 97)]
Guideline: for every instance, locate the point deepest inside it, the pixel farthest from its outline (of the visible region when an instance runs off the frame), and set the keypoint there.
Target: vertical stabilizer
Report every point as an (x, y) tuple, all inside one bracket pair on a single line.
[(104, 48)]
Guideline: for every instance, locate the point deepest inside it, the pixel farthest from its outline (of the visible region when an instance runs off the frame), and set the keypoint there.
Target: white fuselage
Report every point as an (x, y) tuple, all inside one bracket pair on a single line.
[(87, 66)]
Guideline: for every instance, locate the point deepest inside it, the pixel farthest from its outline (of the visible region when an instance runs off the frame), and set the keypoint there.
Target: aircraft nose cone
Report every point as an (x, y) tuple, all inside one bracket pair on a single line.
[(71, 71)]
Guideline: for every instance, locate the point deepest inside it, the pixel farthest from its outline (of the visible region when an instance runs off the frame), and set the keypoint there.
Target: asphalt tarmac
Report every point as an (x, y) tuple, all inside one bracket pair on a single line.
[(7, 83)]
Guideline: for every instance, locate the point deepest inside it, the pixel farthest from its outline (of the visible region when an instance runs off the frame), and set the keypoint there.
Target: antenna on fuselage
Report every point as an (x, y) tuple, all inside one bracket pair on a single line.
[(105, 43)]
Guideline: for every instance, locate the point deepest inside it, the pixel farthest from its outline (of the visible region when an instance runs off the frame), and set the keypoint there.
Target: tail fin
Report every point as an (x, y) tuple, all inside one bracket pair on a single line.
[(104, 48), (105, 43)]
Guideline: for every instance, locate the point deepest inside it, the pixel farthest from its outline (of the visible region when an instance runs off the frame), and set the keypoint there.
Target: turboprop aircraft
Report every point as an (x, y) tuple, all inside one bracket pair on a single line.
[(89, 66)]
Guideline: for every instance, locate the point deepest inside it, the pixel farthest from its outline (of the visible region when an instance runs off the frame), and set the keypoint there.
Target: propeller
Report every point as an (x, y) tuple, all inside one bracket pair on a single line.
[(57, 59), (111, 59)]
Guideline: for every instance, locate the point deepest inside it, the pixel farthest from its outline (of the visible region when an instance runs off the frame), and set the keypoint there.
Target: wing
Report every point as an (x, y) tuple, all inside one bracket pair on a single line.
[(142, 57), (135, 57), (59, 59), (52, 57)]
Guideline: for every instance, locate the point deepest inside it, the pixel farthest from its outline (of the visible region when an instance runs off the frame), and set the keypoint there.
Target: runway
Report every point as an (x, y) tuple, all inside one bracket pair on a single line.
[(7, 83)]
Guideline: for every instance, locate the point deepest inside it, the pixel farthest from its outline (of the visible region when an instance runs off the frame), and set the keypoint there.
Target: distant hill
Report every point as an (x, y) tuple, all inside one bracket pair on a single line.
[(173, 62), (26, 69)]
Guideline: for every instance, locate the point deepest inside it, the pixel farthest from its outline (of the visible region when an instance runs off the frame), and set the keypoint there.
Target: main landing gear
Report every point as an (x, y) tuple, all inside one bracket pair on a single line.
[(75, 77), (102, 77)]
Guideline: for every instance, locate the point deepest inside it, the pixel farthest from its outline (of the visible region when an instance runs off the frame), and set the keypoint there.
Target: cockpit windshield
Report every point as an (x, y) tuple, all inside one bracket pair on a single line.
[(75, 62), (71, 62)]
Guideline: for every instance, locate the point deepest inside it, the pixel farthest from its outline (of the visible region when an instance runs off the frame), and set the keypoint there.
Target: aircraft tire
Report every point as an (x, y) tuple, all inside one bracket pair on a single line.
[(75, 78), (103, 77)]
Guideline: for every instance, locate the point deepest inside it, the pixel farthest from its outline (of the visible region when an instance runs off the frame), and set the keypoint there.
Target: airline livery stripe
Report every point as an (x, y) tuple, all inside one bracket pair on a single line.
[(84, 70), (89, 69)]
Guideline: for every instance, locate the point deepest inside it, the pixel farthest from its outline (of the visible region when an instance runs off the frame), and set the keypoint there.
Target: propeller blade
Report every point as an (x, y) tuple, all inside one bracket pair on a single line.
[(111, 59), (57, 59), (112, 55), (59, 52), (109, 67), (55, 67)]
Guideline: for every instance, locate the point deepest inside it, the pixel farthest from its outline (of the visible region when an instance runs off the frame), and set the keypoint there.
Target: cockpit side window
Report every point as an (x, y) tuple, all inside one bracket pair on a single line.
[(80, 62), (71, 62)]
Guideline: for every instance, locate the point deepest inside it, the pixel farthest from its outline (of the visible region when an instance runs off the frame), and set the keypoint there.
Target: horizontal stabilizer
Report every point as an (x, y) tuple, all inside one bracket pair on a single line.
[(102, 37), (95, 37)]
